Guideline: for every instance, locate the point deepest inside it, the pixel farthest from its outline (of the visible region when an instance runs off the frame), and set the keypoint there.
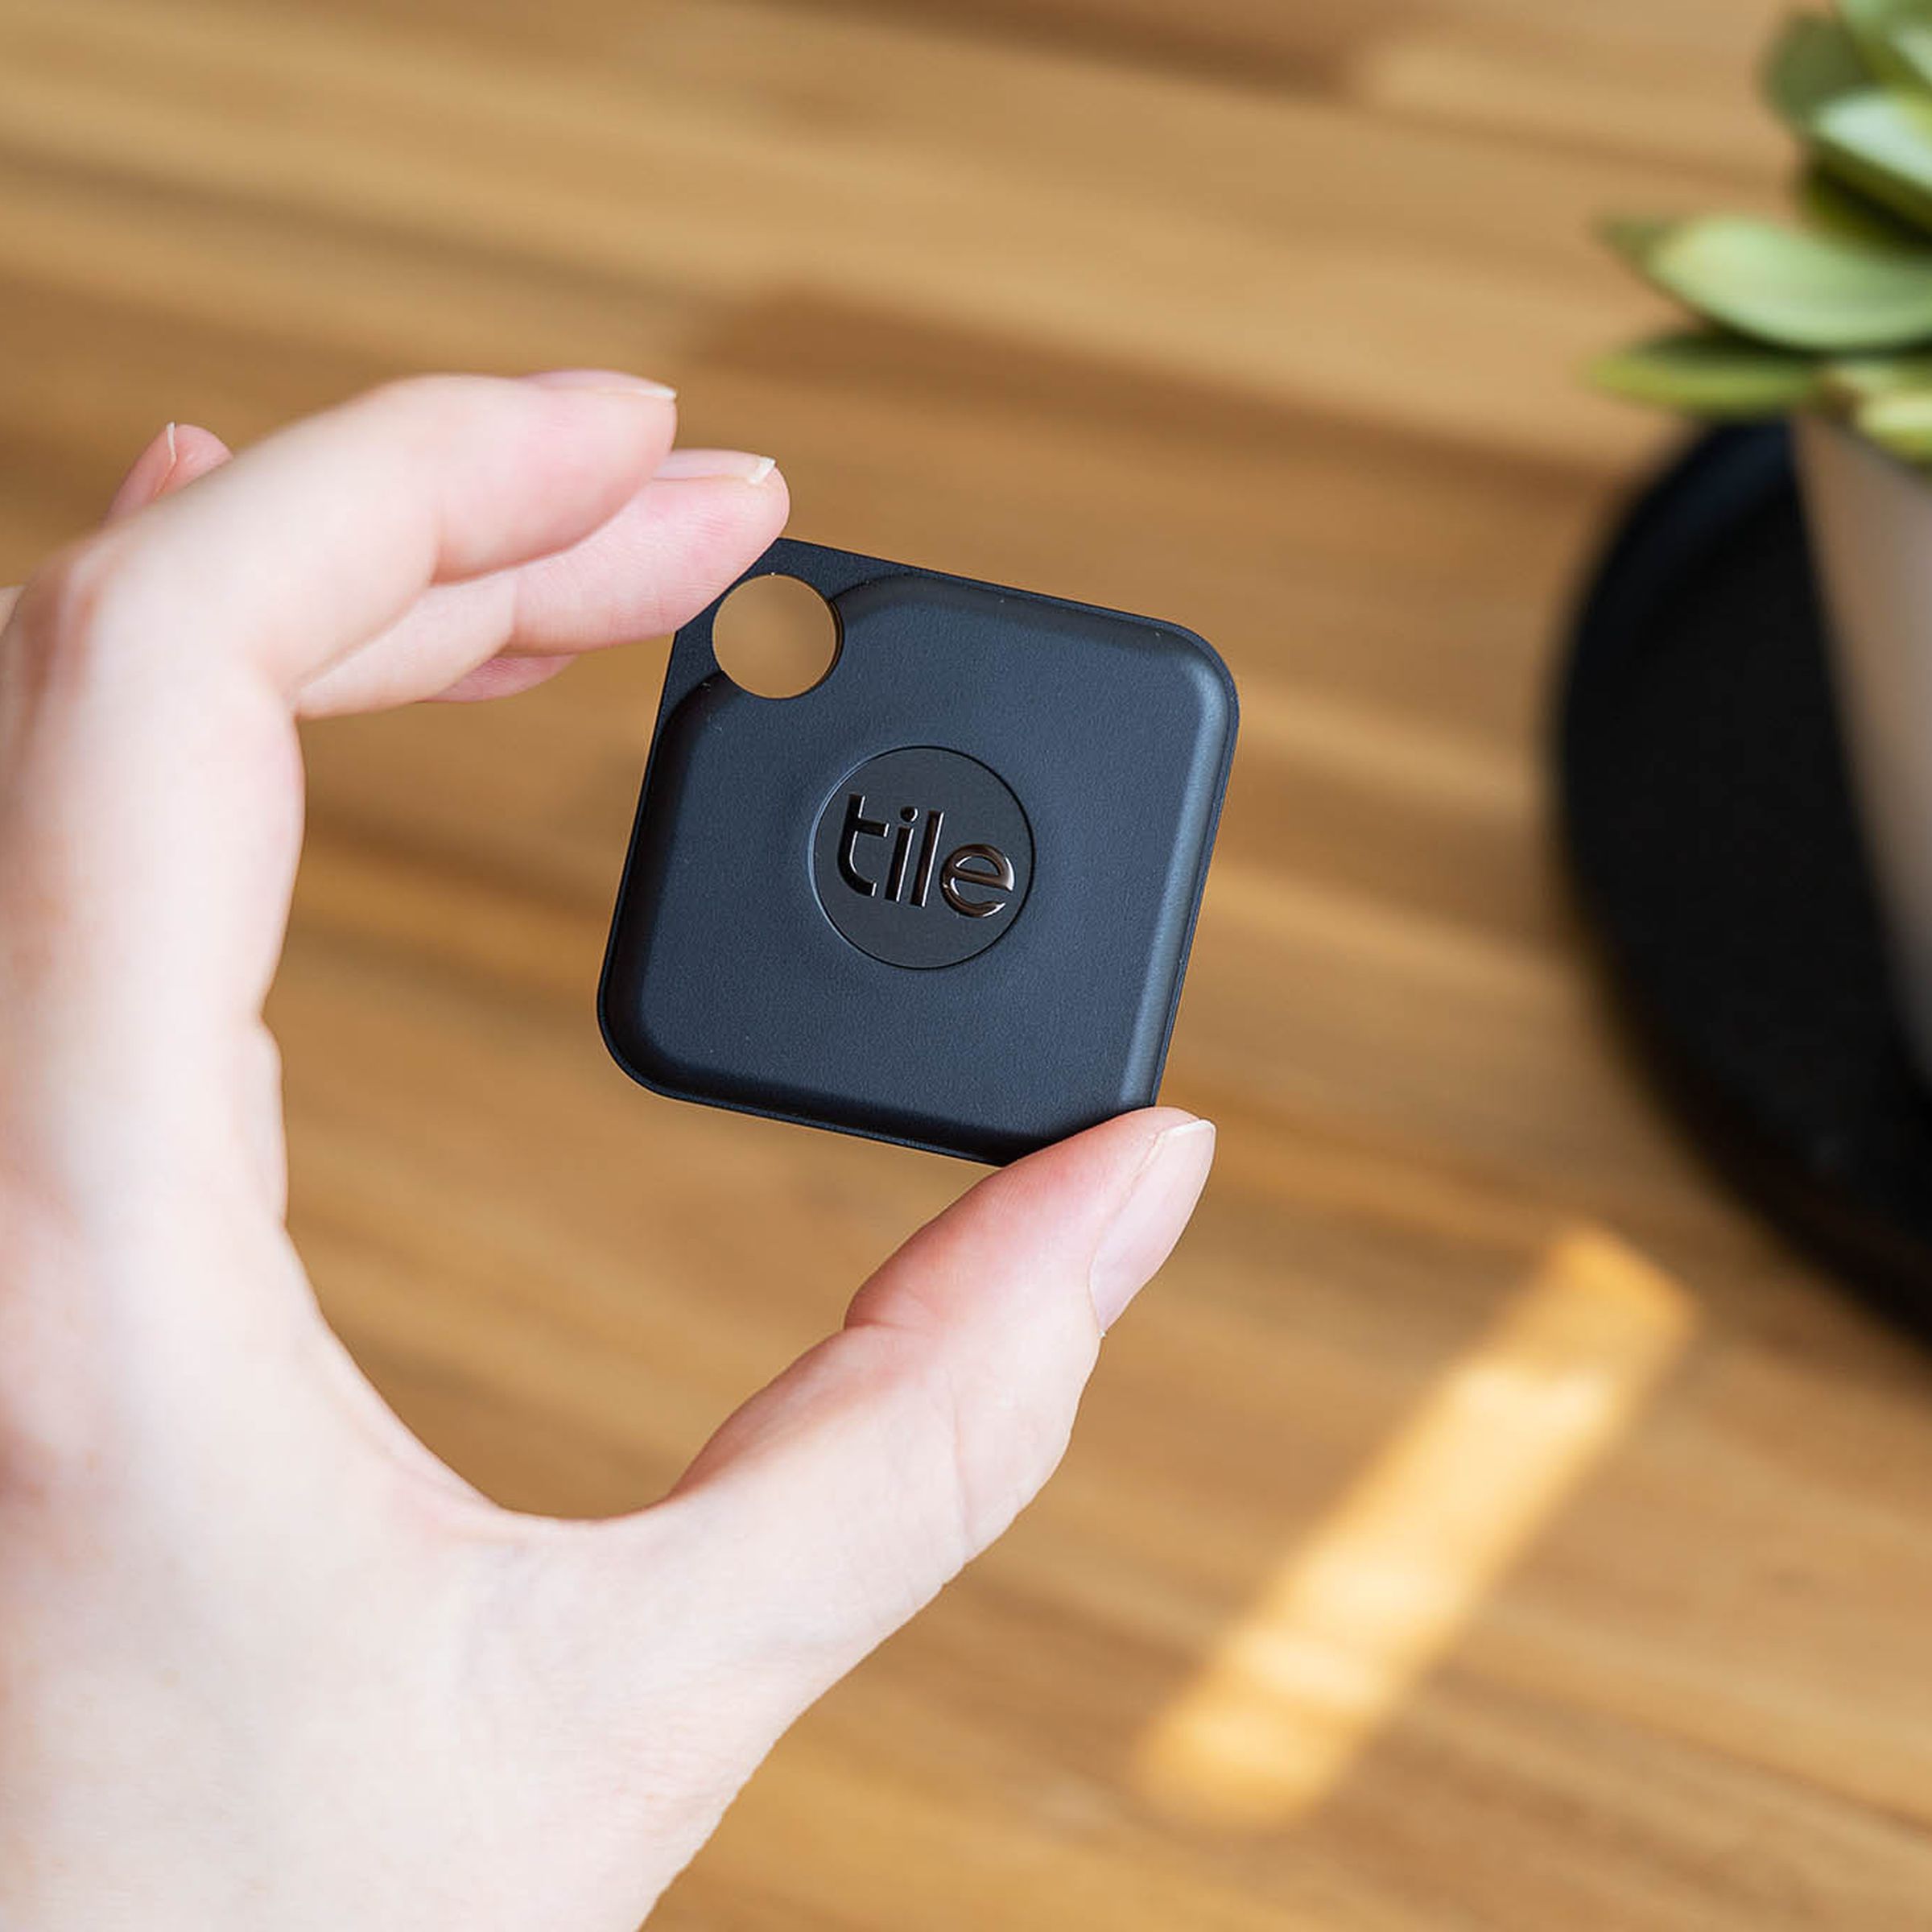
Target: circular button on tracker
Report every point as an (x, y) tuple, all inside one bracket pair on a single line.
[(922, 857)]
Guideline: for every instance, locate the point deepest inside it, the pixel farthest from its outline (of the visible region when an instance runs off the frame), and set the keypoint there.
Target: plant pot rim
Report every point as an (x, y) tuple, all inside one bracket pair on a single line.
[(1919, 475)]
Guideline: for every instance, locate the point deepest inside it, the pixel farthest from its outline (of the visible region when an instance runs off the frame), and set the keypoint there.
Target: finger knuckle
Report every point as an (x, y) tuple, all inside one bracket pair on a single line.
[(996, 1447), (69, 603), (80, 605), (427, 408)]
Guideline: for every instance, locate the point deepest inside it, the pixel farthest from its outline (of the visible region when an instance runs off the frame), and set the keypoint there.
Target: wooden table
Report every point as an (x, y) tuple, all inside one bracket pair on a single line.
[(1483, 1523)]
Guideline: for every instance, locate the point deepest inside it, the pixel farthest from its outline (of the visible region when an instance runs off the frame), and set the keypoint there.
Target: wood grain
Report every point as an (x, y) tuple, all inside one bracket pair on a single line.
[(1259, 314)]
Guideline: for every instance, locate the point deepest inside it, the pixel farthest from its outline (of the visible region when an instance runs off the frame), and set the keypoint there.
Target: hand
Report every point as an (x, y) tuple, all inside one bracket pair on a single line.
[(267, 1662)]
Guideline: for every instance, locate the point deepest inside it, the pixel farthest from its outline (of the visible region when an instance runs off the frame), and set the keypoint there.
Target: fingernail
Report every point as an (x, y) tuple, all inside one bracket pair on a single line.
[(147, 479), (607, 382), (173, 451), (699, 465), (1149, 1221)]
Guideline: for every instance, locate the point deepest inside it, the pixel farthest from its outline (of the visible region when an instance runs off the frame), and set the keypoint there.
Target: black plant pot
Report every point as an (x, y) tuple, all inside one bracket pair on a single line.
[(1710, 832)]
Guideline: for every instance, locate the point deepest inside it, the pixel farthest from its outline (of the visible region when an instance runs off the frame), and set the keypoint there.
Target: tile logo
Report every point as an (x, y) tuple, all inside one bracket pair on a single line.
[(922, 857)]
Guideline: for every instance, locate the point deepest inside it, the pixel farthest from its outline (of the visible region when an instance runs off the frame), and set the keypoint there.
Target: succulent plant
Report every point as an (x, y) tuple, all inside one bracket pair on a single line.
[(1833, 313)]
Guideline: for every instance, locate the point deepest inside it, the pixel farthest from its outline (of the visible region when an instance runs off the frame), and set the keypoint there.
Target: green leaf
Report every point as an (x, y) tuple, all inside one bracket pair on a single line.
[(1913, 43), (1812, 61), (1891, 35), (1879, 139), (1836, 208), (1710, 375), (1783, 286), (1900, 422), (1847, 387), (1633, 237), (1851, 380)]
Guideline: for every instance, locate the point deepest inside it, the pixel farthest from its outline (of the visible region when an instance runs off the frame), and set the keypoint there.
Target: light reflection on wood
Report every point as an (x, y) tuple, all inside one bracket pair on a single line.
[(1380, 1590)]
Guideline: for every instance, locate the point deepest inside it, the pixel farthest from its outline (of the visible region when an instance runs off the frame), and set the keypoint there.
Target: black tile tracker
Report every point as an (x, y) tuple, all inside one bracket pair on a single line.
[(943, 898)]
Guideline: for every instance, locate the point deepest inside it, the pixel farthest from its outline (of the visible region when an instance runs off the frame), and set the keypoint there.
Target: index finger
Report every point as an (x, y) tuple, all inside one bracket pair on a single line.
[(317, 538), (149, 781)]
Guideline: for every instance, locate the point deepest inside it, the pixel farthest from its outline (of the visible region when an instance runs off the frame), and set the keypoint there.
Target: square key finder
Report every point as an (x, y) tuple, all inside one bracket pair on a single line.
[(944, 897)]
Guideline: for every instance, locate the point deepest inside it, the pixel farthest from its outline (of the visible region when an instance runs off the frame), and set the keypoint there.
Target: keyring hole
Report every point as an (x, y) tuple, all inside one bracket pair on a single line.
[(775, 636)]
